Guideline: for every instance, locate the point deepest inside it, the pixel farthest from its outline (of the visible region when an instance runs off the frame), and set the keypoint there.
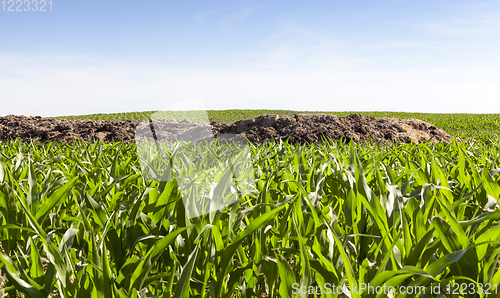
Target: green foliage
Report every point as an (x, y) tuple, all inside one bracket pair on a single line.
[(2, 280), (79, 219)]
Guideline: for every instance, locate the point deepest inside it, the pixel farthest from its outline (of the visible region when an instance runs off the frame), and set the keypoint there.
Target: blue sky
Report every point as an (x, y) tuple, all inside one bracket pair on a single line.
[(118, 56)]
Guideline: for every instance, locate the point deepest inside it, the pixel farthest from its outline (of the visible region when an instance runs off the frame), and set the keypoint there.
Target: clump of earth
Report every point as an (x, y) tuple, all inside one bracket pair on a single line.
[(298, 128)]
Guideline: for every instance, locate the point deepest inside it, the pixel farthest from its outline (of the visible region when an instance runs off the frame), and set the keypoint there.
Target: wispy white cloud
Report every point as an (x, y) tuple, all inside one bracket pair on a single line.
[(226, 17), (294, 47), (290, 30), (82, 85), (202, 16), (475, 23), (228, 21)]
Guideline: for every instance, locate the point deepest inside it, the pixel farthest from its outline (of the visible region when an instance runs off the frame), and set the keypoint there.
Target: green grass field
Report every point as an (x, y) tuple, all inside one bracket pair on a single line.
[(80, 219)]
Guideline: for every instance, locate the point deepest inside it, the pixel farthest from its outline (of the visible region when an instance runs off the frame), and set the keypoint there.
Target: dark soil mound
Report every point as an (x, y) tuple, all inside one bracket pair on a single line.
[(41, 129), (300, 128), (314, 127)]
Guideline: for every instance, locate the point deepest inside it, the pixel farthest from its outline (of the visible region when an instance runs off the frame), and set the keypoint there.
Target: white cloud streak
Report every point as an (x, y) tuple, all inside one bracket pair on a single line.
[(474, 22), (75, 85), (227, 17)]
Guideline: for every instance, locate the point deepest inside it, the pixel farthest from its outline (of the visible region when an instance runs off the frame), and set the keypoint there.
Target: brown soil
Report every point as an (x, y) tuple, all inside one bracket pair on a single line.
[(41, 129), (308, 128), (299, 128)]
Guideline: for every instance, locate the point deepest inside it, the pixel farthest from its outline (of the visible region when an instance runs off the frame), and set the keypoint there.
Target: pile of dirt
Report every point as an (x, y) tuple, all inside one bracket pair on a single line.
[(42, 129), (299, 128), (309, 128)]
